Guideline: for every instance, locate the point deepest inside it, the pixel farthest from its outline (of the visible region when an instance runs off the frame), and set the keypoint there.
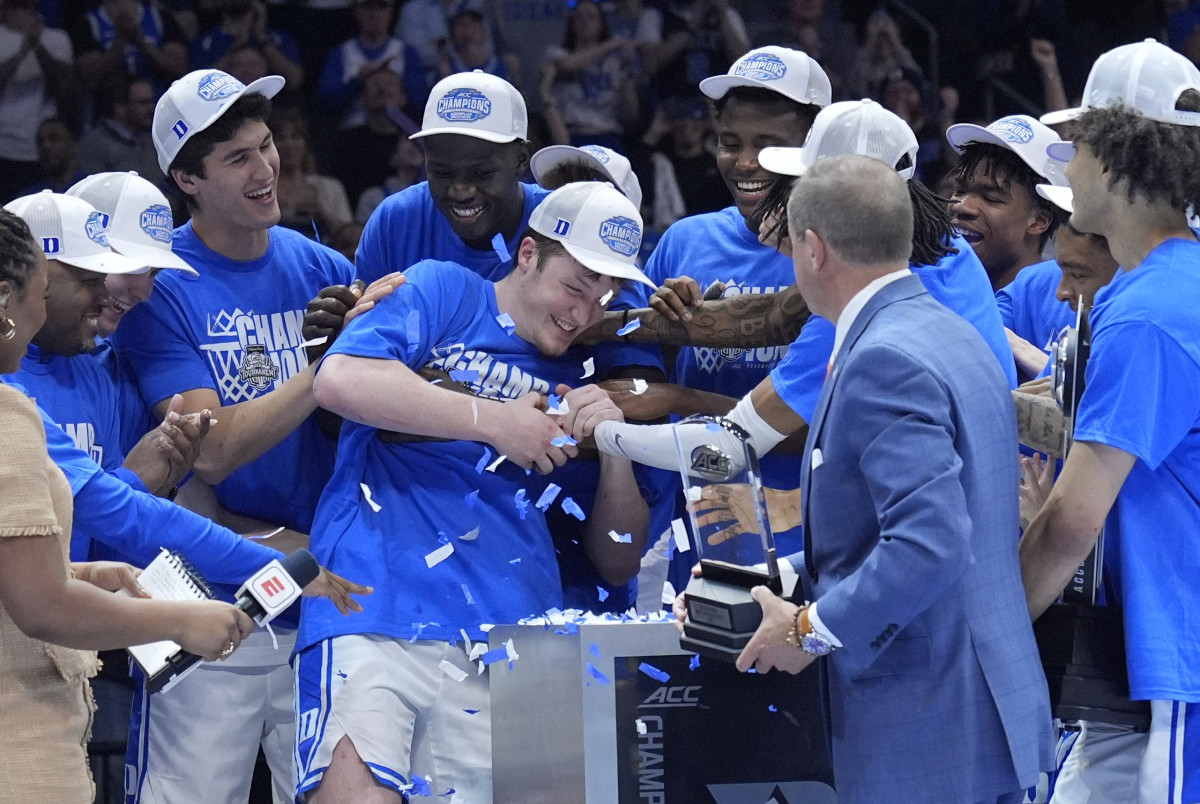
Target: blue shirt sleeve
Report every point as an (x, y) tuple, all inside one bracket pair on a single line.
[(799, 377), (1141, 392), (164, 360), (138, 524), (1004, 303)]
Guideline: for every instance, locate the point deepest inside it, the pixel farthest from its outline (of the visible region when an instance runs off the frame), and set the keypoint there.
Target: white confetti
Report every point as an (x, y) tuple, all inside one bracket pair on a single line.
[(639, 387), (450, 670), (492, 466), (682, 543), (641, 727), (693, 493), (474, 412), (511, 651), (589, 368), (439, 555), (466, 640), (606, 298), (367, 493), (478, 650), (316, 341), (620, 538), (470, 535), (668, 595), (277, 530), (560, 408)]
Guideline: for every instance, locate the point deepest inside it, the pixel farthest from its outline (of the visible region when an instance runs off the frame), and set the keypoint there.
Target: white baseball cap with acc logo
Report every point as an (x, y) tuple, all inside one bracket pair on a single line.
[(850, 127), (140, 224), (612, 164), (195, 102), (792, 73), (1019, 133), (597, 225), (475, 104), (72, 231)]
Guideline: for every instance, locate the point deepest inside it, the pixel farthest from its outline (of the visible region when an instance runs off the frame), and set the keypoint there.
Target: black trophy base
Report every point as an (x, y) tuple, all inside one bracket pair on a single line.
[(722, 617), (1083, 655)]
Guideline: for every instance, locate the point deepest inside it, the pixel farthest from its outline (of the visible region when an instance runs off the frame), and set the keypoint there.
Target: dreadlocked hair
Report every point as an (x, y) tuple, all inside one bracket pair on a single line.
[(1157, 160), (931, 222), (18, 250), (931, 226)]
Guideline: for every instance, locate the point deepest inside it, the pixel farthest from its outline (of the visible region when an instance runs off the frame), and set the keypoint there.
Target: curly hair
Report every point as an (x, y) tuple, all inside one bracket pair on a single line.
[(1157, 160), (1003, 167), (775, 103), (931, 222), (18, 250)]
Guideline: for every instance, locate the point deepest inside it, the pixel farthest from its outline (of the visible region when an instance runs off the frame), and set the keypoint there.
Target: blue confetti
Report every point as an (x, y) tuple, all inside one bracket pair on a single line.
[(630, 327), (752, 670), (471, 711), (563, 441), (473, 496), (554, 404), (464, 375), (506, 322), (521, 503), (547, 499), (483, 462), (594, 650), (596, 674), (443, 538), (654, 672), (694, 663), (420, 787), (602, 593), (494, 655), (572, 508), (501, 248), (771, 708), (569, 628)]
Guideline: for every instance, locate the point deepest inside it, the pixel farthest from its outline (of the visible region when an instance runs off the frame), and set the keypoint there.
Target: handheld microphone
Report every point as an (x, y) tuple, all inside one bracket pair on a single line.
[(263, 597)]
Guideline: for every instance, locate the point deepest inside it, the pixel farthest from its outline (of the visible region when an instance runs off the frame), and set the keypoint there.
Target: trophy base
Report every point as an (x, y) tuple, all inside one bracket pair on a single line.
[(723, 617)]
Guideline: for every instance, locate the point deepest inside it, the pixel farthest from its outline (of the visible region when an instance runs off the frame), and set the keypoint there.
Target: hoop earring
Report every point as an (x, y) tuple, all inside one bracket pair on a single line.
[(8, 329)]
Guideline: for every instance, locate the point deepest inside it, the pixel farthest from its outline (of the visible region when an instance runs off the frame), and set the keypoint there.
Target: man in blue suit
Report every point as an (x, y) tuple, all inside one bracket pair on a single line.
[(934, 687)]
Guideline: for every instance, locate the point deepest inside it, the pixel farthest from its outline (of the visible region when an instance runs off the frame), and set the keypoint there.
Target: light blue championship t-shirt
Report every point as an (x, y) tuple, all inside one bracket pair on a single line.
[(430, 498), (1142, 378), (78, 393), (407, 227), (1029, 307), (236, 328), (958, 281)]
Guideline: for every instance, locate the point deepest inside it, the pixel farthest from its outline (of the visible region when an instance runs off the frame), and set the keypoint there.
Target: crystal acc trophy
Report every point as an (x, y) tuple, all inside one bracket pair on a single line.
[(731, 533)]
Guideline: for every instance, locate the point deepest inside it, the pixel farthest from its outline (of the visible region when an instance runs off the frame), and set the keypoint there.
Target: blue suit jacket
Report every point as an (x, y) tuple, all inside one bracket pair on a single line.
[(910, 490)]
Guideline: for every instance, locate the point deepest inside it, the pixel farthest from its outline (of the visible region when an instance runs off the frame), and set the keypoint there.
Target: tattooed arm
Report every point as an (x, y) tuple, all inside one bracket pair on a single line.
[(743, 321)]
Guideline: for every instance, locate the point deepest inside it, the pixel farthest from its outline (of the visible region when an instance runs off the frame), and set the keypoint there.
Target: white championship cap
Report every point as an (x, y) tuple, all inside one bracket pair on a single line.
[(612, 164), (71, 230), (1059, 196), (597, 225), (849, 127), (194, 102), (792, 73), (475, 104), (1019, 133), (137, 218), (1146, 76)]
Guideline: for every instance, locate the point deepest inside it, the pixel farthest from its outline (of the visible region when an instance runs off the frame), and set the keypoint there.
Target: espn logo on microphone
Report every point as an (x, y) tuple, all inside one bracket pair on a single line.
[(273, 588)]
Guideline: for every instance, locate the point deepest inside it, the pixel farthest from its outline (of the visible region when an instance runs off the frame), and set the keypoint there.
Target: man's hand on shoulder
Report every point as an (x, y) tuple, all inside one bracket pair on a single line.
[(337, 305)]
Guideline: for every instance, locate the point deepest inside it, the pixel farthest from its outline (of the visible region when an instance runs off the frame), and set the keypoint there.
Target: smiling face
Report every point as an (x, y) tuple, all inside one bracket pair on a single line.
[(557, 298), (73, 307), (1001, 220), (475, 184), (237, 192), (125, 291), (743, 129)]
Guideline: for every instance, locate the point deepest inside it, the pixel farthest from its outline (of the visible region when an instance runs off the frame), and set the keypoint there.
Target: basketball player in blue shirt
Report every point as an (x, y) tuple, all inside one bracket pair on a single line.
[(1134, 468), (448, 530)]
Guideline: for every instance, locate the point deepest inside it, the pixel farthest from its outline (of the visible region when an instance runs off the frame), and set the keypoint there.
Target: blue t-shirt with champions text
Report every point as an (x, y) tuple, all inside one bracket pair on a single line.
[(236, 329), (80, 396), (1141, 398), (958, 281), (434, 493), (408, 227)]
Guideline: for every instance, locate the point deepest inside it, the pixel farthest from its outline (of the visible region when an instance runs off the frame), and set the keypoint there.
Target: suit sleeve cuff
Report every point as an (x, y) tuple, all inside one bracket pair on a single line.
[(818, 627)]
